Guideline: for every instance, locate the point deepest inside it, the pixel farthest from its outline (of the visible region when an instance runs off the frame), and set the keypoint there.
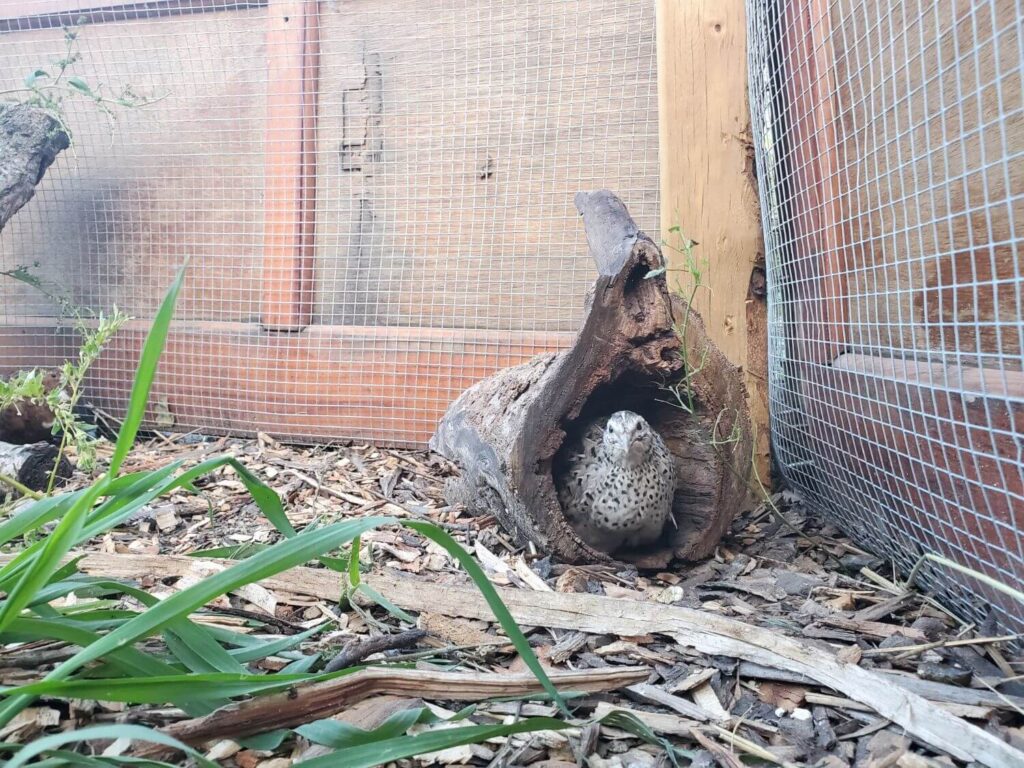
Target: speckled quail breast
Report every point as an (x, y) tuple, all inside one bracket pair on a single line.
[(617, 484)]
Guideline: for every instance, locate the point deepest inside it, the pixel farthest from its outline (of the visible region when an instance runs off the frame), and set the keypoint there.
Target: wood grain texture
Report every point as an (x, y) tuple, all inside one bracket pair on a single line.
[(933, 175), (30, 140), (305, 703), (450, 148), (16, 15), (707, 183), (290, 171)]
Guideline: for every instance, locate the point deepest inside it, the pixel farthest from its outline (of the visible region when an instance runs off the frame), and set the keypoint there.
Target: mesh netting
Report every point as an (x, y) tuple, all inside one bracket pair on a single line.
[(890, 148), (376, 197)]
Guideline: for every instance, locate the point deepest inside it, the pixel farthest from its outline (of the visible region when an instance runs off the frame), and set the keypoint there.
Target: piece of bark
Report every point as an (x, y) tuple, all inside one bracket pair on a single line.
[(358, 650), (30, 139), (31, 465), (506, 431), (305, 703), (25, 421)]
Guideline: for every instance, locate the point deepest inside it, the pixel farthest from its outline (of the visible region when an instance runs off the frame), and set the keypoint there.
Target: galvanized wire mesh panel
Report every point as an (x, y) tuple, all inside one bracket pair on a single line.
[(376, 196), (890, 150)]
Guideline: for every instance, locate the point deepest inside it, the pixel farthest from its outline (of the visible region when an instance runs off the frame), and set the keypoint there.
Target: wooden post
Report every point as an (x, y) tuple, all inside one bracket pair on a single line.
[(293, 51), (708, 186)]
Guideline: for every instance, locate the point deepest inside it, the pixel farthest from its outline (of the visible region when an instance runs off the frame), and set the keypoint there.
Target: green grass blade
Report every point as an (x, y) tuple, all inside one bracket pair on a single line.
[(145, 373), (384, 603), (282, 556), (120, 731), (111, 512), (41, 568), (197, 650), (274, 647), (501, 613), (160, 690), (338, 735), (127, 660), (266, 498), (233, 552), (36, 515)]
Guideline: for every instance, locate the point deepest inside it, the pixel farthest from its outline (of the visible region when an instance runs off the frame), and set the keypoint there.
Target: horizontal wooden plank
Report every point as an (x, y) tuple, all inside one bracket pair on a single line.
[(329, 383), (16, 15), (987, 381)]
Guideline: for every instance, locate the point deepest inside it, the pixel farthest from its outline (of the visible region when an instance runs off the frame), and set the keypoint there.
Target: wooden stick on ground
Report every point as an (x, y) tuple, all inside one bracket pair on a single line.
[(316, 701)]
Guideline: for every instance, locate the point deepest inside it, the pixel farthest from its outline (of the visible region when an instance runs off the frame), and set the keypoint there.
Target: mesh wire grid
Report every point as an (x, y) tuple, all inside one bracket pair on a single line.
[(449, 139), (890, 151)]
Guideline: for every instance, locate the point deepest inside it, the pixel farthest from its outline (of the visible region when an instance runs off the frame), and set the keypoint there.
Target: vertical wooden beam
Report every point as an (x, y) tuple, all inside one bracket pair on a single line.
[(707, 182), (293, 53)]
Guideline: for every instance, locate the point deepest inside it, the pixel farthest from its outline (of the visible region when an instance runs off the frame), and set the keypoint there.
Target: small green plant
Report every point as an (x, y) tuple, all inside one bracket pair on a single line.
[(689, 280), (95, 331), (49, 88)]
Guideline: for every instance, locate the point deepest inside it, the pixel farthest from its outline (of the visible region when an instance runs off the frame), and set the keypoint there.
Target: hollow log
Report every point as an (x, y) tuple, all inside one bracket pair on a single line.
[(31, 465), (30, 139), (637, 340)]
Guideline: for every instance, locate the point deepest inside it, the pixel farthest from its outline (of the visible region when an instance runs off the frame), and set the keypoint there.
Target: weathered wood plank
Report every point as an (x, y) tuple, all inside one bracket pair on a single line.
[(290, 171), (708, 187), (16, 15)]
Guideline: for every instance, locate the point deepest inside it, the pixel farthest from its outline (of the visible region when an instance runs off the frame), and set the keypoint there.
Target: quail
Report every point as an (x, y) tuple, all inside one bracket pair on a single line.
[(617, 484)]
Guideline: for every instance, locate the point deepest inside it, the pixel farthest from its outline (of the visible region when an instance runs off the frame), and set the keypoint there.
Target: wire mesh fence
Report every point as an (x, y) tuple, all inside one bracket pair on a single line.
[(890, 149), (376, 197)]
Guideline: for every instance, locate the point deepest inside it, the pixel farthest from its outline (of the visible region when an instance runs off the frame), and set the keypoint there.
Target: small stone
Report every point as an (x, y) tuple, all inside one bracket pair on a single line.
[(931, 627), (813, 610), (895, 640), (796, 583), (853, 563), (944, 673)]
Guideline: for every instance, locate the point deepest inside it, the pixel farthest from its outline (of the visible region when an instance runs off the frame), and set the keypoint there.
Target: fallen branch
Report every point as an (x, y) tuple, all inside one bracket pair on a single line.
[(305, 703), (716, 635), (358, 650)]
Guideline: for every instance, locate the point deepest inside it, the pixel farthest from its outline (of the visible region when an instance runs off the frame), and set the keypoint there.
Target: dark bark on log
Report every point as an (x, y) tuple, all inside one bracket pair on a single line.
[(506, 431), (31, 465), (29, 141), (26, 421)]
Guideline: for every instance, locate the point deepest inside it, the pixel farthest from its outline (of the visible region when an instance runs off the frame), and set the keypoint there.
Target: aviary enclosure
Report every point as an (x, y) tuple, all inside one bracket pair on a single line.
[(386, 203)]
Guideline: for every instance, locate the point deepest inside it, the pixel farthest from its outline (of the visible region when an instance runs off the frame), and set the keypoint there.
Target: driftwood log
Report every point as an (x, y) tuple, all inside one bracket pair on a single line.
[(30, 139), (505, 432), (31, 465)]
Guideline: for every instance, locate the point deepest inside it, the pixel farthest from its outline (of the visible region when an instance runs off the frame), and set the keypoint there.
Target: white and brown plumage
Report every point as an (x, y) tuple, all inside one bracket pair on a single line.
[(617, 485)]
